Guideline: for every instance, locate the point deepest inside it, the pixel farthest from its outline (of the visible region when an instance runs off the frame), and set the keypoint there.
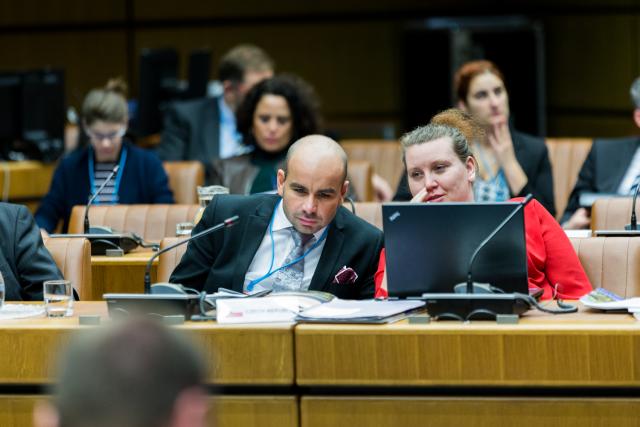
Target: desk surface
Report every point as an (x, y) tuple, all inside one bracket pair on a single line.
[(582, 349), (240, 355)]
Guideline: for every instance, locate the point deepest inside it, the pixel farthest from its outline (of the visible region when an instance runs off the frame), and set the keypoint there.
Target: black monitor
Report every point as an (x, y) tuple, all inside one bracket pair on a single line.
[(158, 84), (10, 127), (199, 72), (33, 119), (429, 245)]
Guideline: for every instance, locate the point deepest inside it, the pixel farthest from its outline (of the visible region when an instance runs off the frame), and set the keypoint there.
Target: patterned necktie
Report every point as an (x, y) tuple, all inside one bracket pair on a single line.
[(290, 278)]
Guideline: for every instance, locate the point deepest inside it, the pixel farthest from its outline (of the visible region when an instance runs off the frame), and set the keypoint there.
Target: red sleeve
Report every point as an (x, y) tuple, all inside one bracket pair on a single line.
[(379, 292), (551, 258)]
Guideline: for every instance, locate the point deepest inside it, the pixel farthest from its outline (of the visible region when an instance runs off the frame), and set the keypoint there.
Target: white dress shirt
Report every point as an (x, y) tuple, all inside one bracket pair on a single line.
[(283, 244), (630, 175), (230, 139)]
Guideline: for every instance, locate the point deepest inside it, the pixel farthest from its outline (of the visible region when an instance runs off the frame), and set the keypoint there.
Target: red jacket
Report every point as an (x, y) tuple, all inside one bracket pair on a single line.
[(551, 258)]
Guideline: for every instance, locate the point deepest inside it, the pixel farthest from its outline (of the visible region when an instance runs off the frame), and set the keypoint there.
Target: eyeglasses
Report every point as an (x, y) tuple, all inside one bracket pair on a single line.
[(97, 136)]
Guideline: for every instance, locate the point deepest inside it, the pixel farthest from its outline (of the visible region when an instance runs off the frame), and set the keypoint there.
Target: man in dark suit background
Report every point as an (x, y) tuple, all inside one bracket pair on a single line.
[(24, 261), (301, 239), (612, 166), (205, 129)]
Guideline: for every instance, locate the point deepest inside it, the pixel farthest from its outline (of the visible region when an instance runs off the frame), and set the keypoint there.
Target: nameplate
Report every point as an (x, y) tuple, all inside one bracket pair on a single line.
[(253, 310)]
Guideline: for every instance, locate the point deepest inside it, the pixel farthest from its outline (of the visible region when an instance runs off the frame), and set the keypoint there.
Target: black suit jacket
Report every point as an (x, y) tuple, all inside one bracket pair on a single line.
[(603, 169), (222, 259), (533, 156), (192, 132), (24, 261)]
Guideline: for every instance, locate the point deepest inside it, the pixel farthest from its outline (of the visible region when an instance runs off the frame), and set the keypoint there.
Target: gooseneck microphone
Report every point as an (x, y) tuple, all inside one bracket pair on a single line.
[(634, 222), (521, 205), (224, 224), (94, 195)]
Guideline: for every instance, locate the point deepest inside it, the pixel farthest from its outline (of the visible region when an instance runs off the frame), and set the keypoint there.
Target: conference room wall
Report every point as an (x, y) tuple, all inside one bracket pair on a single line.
[(87, 57), (352, 66), (349, 50)]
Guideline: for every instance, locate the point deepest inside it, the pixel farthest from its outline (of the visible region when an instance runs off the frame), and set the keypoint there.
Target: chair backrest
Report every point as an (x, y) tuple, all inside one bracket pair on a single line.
[(151, 222), (360, 175), (611, 262), (385, 156), (612, 213), (184, 178), (566, 156), (369, 211), (168, 260), (73, 258)]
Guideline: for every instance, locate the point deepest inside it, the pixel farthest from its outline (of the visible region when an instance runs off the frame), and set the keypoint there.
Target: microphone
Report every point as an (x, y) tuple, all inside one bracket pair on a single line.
[(224, 224), (94, 195), (521, 205), (634, 223)]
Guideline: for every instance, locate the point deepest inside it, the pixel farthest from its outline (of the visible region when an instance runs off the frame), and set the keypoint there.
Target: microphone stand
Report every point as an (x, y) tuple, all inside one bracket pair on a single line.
[(634, 222), (526, 200), (93, 197), (147, 273)]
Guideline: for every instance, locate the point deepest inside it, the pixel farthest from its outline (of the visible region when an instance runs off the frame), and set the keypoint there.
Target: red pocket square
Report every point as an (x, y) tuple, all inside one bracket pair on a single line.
[(346, 276)]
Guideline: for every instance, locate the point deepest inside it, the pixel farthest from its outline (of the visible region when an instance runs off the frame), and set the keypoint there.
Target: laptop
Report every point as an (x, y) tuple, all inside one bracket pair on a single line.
[(429, 246)]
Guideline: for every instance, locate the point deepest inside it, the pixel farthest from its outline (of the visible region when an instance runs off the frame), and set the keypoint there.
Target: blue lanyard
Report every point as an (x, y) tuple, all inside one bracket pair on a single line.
[(269, 273), (116, 186)]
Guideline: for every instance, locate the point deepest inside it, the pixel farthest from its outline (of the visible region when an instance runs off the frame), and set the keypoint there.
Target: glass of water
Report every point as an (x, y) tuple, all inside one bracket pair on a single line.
[(58, 298)]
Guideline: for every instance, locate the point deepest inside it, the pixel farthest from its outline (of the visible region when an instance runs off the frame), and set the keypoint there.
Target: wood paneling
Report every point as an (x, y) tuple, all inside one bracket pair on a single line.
[(36, 12), (469, 412), (352, 66), (88, 58), (225, 411), (579, 351), (246, 355)]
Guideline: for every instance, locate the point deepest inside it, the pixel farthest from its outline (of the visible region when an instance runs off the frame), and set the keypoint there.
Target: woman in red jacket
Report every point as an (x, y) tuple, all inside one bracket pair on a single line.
[(441, 168)]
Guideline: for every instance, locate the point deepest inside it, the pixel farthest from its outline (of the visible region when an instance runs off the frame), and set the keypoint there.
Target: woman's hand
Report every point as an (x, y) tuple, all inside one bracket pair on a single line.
[(421, 196), (500, 140), (381, 188), (579, 220)]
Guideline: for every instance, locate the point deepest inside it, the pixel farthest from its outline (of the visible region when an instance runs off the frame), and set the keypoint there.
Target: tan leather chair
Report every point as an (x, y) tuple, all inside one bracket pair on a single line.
[(385, 157), (73, 258), (168, 260), (184, 178), (369, 211), (612, 263), (612, 214), (360, 175), (566, 156), (151, 222)]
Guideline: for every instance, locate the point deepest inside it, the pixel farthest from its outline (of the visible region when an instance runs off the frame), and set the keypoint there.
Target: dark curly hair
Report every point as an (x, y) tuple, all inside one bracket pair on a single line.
[(301, 99)]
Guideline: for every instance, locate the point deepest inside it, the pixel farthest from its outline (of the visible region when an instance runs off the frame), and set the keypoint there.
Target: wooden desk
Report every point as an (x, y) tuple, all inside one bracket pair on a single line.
[(28, 181), (477, 374), (120, 274), (246, 355)]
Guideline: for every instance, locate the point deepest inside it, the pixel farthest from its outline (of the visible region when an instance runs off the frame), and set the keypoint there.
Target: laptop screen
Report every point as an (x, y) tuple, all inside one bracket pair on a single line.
[(429, 246)]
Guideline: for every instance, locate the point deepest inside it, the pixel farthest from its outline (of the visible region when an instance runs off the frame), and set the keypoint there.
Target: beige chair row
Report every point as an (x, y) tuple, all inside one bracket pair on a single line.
[(565, 154), (610, 262)]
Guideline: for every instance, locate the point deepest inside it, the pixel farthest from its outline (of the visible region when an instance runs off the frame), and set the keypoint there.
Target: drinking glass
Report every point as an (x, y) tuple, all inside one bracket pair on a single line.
[(58, 298), (205, 195)]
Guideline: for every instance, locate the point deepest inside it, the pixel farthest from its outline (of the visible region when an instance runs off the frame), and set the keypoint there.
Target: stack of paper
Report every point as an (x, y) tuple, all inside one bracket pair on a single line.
[(365, 311), (602, 299)]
